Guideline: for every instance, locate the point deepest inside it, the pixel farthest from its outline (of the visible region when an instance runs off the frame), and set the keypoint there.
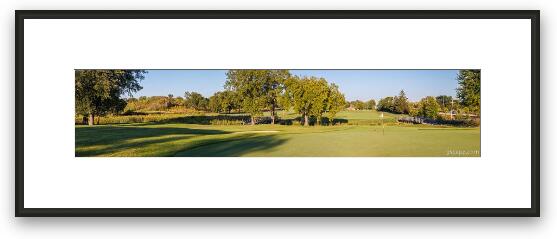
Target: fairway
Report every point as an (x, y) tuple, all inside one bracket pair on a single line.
[(194, 140), (276, 113)]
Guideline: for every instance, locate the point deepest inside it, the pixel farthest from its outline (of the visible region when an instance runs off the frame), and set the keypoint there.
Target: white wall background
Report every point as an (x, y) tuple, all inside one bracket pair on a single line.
[(11, 227)]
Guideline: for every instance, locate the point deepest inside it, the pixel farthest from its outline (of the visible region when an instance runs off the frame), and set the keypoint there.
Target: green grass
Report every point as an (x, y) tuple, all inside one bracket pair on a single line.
[(187, 140)]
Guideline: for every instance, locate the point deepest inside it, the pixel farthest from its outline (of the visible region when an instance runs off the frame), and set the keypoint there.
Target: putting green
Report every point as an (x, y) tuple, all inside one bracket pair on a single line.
[(190, 140)]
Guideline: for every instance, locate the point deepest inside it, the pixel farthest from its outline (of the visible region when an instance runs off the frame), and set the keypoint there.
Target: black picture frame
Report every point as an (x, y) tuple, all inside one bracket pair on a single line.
[(533, 211)]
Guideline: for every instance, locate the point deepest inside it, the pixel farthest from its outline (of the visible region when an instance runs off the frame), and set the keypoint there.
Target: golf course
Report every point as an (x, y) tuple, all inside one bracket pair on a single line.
[(277, 113), (198, 140)]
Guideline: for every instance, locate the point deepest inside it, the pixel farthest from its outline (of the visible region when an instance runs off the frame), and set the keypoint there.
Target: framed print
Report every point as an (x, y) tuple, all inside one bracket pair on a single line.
[(277, 113)]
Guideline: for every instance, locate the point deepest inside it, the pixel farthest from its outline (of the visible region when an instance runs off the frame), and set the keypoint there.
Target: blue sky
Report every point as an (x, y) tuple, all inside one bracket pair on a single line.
[(355, 84)]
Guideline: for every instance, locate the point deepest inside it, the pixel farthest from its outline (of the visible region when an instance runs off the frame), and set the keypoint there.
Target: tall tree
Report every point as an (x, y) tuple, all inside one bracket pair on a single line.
[(468, 90), (358, 104), (98, 92), (386, 104), (370, 105), (228, 101), (444, 102), (414, 108), (307, 95), (401, 103), (335, 102), (195, 100), (222, 101), (170, 100), (273, 87), (320, 101), (250, 85), (429, 108), (215, 102)]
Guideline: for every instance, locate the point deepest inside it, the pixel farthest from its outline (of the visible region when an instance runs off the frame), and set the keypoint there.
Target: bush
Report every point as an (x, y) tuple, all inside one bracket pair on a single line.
[(226, 122), (441, 121), (169, 118)]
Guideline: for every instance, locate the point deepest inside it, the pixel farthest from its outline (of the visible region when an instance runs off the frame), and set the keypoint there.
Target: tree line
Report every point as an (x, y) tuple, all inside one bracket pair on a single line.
[(100, 92), (466, 103), (259, 90), (361, 105)]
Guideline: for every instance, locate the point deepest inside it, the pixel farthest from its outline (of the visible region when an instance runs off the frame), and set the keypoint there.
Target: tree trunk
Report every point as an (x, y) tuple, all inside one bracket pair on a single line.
[(319, 120), (273, 114), (306, 120), (252, 120), (91, 119)]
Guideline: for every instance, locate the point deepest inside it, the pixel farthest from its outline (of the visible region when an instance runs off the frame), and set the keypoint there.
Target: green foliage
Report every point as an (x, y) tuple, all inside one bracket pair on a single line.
[(189, 118), (335, 101), (194, 100), (468, 90), (312, 97), (445, 102), (98, 92), (400, 103), (370, 104), (226, 122), (140, 118), (358, 104), (429, 108), (249, 85), (413, 109), (153, 103), (215, 103), (273, 88), (386, 104), (302, 94), (258, 89), (223, 101), (258, 93)]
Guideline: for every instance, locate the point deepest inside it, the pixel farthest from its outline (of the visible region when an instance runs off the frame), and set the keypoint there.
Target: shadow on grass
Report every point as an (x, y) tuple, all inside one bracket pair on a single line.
[(234, 147), (100, 140), (125, 145), (111, 134), (138, 141)]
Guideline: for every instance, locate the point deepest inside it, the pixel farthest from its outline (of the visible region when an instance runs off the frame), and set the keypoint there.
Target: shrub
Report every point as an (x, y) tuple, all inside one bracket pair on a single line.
[(226, 122), (169, 118)]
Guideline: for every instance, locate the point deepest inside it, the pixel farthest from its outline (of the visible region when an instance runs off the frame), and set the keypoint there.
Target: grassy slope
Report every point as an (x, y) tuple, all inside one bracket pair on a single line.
[(207, 140)]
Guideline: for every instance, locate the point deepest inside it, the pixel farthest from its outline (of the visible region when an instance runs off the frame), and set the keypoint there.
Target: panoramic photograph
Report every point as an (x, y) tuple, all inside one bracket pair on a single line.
[(277, 113)]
